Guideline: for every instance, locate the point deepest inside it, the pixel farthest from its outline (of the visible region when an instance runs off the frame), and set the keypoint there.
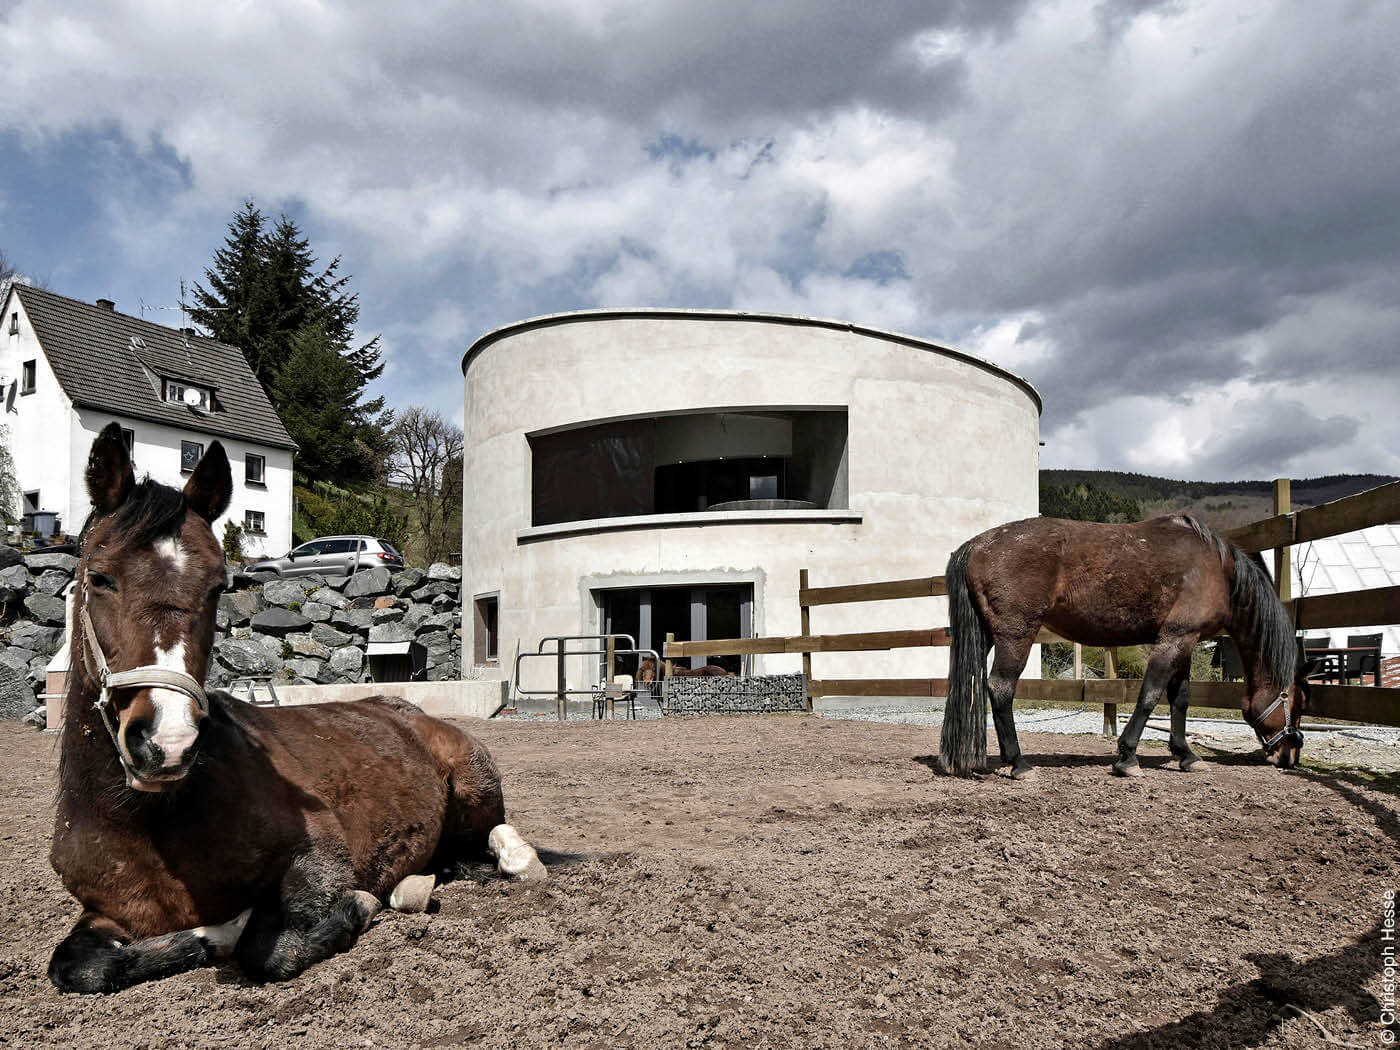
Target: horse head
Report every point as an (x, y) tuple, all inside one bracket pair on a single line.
[(148, 581), (646, 669), (1274, 715)]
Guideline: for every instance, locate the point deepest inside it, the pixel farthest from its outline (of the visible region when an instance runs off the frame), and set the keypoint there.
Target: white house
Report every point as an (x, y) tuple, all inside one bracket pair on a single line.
[(69, 368)]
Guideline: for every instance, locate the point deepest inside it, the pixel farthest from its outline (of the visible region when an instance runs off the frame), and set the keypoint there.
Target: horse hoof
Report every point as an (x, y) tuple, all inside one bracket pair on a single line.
[(221, 939), (515, 858), (1017, 772), (1123, 769), (1193, 765), (369, 904), (412, 893)]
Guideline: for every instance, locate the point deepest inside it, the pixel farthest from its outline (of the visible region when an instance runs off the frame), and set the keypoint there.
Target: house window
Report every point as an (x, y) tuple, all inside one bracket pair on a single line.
[(254, 522), (191, 452), (690, 614), (486, 638), (184, 394), (14, 323), (253, 469), (129, 440), (27, 373)]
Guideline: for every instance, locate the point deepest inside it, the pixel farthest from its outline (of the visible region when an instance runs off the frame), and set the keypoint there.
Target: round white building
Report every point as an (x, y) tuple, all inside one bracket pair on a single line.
[(671, 471)]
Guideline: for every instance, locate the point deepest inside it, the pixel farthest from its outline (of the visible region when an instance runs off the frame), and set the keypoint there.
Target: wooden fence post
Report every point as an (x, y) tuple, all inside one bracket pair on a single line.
[(802, 580), (670, 637), (612, 669), (1283, 556), (1110, 711), (1078, 662)]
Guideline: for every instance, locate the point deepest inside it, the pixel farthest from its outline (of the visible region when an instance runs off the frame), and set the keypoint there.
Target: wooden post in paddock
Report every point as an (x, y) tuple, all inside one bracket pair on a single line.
[(611, 670), (1283, 555), (1078, 662), (670, 664), (1110, 711), (802, 581)]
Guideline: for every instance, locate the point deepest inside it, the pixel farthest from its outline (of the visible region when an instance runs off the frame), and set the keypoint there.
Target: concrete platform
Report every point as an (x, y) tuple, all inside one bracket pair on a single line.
[(468, 699)]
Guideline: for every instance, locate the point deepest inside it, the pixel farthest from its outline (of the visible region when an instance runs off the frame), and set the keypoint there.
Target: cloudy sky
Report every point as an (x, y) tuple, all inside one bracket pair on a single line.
[(1179, 219)]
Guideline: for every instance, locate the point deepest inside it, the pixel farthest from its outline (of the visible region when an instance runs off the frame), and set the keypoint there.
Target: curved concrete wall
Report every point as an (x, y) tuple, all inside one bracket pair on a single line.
[(939, 447)]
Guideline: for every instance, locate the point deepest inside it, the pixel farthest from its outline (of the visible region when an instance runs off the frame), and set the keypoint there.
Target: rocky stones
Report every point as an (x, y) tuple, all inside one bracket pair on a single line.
[(307, 645), (347, 662), (407, 580), (442, 571), (44, 640), (353, 619), (330, 637), (9, 556), (46, 608), (431, 590), (385, 602), (387, 614), (438, 622), (316, 612), (283, 592), (416, 614), (305, 670), (39, 562), (52, 581), (390, 632), (15, 582), (328, 597), (279, 621), (367, 582), (245, 657), (18, 658), (16, 695)]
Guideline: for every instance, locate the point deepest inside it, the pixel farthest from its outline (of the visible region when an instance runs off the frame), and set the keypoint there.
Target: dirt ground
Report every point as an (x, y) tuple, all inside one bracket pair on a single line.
[(787, 881)]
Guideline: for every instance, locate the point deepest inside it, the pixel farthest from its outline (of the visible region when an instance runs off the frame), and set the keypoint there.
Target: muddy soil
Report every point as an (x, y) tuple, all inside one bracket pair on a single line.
[(787, 881)]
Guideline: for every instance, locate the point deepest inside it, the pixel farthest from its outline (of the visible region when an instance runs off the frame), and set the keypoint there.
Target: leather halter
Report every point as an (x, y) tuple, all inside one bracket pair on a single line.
[(147, 675), (1289, 730)]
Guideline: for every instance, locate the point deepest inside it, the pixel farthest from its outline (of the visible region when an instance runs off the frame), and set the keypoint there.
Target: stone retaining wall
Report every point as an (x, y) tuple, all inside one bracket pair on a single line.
[(303, 630)]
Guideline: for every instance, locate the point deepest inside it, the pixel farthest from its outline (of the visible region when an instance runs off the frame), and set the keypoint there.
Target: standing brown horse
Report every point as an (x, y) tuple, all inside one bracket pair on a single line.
[(1168, 583), (190, 825)]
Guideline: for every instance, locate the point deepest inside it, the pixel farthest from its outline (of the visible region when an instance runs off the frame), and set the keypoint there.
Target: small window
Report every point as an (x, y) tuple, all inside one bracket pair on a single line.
[(31, 502), (184, 394), (254, 522), (191, 452), (487, 635), (27, 373), (129, 440), (253, 469), (14, 323)]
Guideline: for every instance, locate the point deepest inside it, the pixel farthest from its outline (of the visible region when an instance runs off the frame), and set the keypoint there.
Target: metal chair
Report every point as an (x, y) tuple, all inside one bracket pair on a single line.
[(620, 691), (1361, 664), (1329, 668), (1227, 658)]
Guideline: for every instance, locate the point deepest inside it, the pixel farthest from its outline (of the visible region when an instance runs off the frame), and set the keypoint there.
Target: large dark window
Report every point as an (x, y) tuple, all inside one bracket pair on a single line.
[(692, 462), (486, 635), (649, 614)]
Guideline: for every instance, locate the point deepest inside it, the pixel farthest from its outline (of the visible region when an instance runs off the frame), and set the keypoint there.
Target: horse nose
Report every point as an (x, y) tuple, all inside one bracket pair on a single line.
[(141, 743)]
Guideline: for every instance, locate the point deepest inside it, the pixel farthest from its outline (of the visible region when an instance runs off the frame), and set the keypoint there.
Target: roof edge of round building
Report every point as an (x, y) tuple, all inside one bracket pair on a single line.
[(673, 313)]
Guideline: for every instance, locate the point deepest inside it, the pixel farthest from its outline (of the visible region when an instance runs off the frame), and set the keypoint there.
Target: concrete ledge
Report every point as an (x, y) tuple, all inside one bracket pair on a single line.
[(695, 519), (469, 699)]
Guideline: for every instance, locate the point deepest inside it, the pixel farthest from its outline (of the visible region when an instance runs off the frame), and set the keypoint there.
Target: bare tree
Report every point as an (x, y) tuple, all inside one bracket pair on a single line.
[(425, 459), (8, 273)]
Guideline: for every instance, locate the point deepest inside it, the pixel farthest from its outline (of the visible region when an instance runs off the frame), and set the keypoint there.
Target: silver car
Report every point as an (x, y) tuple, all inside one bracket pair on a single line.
[(333, 556)]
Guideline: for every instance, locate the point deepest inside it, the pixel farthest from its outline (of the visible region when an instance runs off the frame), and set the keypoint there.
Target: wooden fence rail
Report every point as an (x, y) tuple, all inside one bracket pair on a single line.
[(1376, 605)]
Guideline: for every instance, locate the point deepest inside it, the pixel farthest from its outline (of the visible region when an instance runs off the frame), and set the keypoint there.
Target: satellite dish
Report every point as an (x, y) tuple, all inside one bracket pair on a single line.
[(193, 398)]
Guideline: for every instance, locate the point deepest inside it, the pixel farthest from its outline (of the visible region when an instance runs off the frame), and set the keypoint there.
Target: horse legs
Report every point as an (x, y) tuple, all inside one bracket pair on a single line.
[(98, 955), (315, 915), (1178, 697), (1169, 661), (1007, 665)]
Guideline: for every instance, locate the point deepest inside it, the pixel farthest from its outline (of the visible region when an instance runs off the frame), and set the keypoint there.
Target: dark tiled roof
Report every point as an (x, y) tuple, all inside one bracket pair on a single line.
[(91, 352)]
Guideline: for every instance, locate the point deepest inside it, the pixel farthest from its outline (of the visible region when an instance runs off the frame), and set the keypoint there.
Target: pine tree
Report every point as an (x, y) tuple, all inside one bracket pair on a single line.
[(267, 297)]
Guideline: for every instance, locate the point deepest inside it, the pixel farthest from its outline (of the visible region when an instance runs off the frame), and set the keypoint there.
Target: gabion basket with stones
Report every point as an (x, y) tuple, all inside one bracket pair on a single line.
[(760, 693)]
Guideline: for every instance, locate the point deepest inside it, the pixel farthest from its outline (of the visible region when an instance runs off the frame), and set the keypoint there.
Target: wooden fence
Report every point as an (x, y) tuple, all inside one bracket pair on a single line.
[(1377, 605)]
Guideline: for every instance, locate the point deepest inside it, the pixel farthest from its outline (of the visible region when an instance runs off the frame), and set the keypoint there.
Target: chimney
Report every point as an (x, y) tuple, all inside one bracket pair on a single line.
[(107, 304)]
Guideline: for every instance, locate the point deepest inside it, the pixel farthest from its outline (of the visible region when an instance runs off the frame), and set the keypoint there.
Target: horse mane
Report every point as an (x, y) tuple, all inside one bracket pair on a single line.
[(151, 512), (1254, 607)]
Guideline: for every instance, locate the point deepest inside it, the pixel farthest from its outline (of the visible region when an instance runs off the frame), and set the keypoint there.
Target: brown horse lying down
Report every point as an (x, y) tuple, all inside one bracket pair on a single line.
[(1169, 583), (646, 671), (190, 825)]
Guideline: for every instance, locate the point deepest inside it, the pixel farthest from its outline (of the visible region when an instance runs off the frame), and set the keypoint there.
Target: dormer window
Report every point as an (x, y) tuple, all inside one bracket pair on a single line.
[(182, 393)]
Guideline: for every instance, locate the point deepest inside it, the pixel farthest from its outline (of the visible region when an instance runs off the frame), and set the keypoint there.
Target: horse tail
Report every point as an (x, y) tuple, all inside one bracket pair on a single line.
[(963, 746)]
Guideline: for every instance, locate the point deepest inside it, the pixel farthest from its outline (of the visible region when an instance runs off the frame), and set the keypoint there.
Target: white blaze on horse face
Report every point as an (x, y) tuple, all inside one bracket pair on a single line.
[(172, 553), (175, 729)]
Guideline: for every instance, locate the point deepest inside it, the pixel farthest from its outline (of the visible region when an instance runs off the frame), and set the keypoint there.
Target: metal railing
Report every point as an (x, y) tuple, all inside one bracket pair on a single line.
[(607, 649)]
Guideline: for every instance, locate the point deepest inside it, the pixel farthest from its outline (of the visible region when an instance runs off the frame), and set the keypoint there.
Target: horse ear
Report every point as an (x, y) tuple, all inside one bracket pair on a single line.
[(210, 487), (110, 478)]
